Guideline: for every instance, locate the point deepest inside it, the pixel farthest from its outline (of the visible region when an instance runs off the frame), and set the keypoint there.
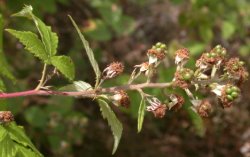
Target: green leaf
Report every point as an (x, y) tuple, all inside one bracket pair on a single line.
[(141, 113), (65, 65), (13, 141), (89, 52), (24, 152), (7, 148), (4, 67), (77, 86), (227, 29), (197, 121), (115, 124), (25, 12), (31, 43), (49, 38)]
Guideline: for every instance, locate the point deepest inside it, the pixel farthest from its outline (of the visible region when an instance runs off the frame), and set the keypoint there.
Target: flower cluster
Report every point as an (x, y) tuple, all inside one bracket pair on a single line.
[(210, 66)]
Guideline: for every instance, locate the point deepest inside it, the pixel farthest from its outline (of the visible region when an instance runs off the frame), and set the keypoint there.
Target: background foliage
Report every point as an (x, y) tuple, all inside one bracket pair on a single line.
[(122, 30)]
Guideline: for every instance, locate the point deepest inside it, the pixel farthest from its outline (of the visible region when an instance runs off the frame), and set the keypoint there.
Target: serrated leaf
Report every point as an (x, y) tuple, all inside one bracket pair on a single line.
[(115, 124), (49, 38), (7, 148), (141, 113), (4, 67), (14, 140), (89, 51), (24, 152), (65, 65), (77, 86), (17, 134), (25, 12), (31, 43)]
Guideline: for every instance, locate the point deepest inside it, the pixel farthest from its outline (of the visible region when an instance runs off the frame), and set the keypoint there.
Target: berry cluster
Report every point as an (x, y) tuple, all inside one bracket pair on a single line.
[(232, 92), (160, 47)]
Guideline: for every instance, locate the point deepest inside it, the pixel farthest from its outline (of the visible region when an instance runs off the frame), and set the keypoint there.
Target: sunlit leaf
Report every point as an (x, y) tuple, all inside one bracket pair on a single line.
[(49, 38), (31, 43), (14, 142), (65, 65)]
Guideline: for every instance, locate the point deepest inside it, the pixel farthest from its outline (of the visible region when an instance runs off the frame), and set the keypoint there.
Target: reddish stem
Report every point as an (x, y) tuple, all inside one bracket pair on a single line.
[(89, 93)]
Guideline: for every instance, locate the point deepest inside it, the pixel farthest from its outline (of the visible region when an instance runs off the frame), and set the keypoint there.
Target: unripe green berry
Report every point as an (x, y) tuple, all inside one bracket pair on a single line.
[(158, 49), (213, 55), (229, 90), (163, 46), (241, 63), (235, 67), (153, 47), (235, 89), (187, 76), (208, 55), (218, 47), (234, 94), (223, 52), (158, 44), (229, 97)]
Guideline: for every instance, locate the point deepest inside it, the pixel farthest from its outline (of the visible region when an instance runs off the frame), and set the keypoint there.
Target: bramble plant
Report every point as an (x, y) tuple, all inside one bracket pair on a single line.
[(214, 73)]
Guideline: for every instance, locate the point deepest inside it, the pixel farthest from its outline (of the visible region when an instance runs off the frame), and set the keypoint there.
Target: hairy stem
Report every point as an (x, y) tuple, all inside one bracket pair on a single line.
[(88, 93), (41, 82)]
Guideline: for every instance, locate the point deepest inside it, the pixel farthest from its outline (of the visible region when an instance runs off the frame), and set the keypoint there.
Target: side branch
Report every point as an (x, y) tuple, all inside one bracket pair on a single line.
[(89, 93)]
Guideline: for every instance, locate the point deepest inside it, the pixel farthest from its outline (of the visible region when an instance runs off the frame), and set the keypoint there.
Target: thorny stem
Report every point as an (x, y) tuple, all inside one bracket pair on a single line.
[(41, 82), (89, 93)]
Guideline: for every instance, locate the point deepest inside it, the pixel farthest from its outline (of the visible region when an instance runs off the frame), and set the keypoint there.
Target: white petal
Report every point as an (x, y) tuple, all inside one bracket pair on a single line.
[(178, 59), (152, 59), (218, 89)]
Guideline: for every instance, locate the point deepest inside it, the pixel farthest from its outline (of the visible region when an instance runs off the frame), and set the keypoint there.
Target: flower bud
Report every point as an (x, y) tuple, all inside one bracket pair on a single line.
[(113, 70), (6, 117)]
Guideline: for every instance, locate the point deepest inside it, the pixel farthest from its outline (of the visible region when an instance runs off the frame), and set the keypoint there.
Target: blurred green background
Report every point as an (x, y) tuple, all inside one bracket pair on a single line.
[(122, 30)]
